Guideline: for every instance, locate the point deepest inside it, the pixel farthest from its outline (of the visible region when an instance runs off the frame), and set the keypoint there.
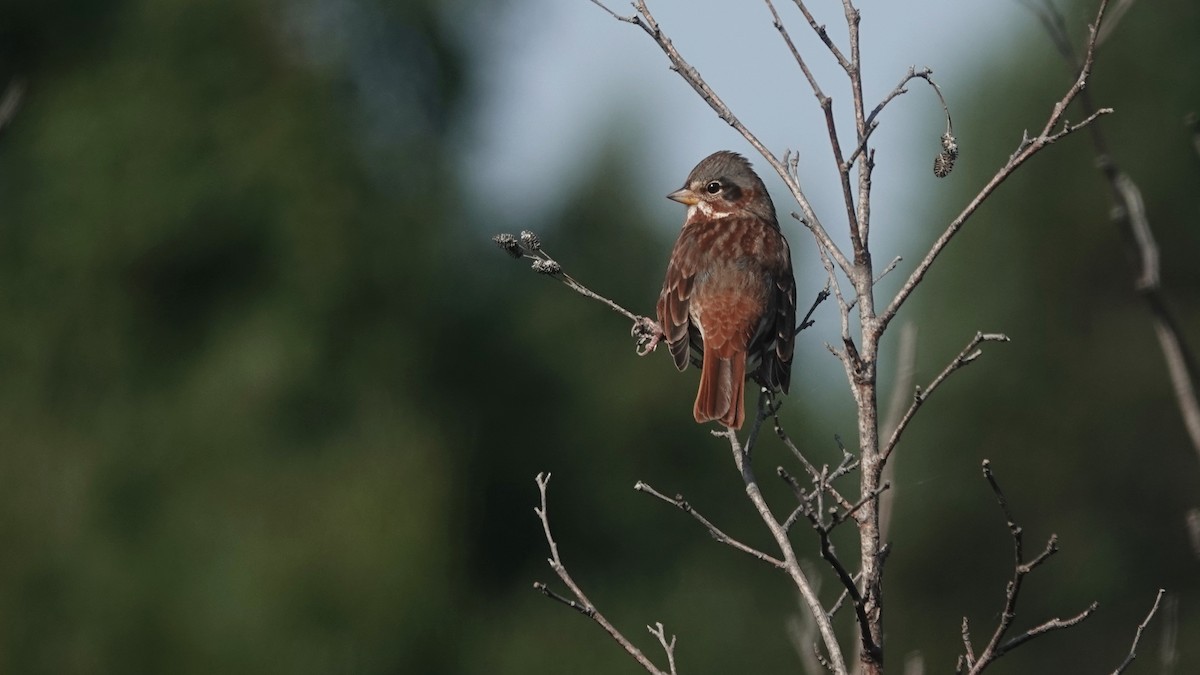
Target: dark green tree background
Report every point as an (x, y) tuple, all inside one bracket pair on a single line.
[(272, 403)]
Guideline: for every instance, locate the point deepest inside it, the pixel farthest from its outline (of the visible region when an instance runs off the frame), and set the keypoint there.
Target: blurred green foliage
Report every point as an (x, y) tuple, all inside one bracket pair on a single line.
[(272, 402)]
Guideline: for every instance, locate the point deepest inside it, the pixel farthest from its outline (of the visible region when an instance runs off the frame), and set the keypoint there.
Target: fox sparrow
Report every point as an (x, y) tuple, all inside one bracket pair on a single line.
[(729, 292)]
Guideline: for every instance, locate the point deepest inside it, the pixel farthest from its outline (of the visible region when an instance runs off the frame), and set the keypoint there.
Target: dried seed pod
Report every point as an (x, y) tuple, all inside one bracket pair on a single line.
[(530, 240), (509, 243), (943, 164)]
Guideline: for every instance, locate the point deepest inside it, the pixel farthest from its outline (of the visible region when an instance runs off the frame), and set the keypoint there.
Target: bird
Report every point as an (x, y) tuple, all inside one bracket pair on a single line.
[(729, 293)]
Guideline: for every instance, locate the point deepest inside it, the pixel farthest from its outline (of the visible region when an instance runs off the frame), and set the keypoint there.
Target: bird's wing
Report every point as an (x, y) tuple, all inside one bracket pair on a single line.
[(781, 323), (673, 302)]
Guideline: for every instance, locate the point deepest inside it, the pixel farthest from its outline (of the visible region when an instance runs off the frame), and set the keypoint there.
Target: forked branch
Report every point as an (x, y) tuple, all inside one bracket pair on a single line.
[(580, 601), (997, 646), (964, 358), (682, 504)]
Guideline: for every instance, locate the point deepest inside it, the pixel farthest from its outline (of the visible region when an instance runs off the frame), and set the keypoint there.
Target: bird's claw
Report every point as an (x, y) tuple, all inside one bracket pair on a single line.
[(647, 333)]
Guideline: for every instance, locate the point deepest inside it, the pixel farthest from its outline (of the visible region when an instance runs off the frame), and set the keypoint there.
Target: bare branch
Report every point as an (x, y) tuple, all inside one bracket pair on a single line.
[(787, 38), (849, 582), (668, 646), (682, 504), (528, 246), (1137, 635), (837, 604), (995, 648), (807, 321), (819, 29), (846, 356), (823, 528), (1041, 629), (968, 655), (835, 144), (581, 602), (1027, 149), (872, 122), (545, 590), (822, 483), (964, 358), (886, 270), (619, 17)]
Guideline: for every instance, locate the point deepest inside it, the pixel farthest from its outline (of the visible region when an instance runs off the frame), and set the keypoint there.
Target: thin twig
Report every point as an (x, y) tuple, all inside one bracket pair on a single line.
[(835, 143), (787, 38), (964, 358), (847, 357), (668, 646), (872, 120), (849, 583), (819, 29), (1137, 635), (528, 246), (682, 504), (887, 270), (1041, 629), (581, 602), (807, 321), (813, 473)]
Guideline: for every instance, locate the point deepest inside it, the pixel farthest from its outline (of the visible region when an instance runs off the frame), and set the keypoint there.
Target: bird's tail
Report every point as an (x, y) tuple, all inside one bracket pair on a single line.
[(722, 384)]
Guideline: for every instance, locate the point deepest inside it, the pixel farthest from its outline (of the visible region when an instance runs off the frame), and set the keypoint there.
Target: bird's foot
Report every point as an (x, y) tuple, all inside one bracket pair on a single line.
[(647, 333)]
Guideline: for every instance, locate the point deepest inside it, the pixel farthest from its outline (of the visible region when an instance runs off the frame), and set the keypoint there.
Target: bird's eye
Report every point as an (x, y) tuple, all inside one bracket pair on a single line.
[(713, 187)]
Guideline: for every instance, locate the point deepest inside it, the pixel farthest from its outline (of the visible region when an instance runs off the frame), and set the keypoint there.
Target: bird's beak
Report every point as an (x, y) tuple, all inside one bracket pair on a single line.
[(684, 196)]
